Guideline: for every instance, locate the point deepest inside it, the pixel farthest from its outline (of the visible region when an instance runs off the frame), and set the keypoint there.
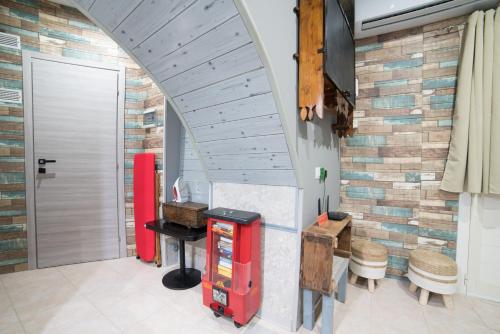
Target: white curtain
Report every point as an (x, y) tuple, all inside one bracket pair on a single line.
[(473, 163)]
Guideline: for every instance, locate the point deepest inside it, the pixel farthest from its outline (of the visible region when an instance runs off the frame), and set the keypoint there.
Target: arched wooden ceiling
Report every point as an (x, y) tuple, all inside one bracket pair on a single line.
[(203, 58)]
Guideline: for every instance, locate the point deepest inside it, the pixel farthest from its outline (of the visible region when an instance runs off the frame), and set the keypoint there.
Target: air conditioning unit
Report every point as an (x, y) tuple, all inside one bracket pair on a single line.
[(383, 16)]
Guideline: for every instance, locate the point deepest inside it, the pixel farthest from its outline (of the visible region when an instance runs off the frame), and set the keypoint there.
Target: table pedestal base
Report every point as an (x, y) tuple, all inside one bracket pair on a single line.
[(179, 280)]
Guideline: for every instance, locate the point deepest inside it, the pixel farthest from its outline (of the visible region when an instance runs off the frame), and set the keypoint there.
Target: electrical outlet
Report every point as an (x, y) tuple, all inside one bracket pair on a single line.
[(317, 173)]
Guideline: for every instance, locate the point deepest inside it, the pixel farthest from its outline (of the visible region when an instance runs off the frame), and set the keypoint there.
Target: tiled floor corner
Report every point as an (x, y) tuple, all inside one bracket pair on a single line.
[(126, 296)]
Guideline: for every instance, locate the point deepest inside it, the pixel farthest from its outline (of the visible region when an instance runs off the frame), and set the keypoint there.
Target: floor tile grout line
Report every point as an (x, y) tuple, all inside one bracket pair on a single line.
[(82, 295), (480, 317), (12, 306)]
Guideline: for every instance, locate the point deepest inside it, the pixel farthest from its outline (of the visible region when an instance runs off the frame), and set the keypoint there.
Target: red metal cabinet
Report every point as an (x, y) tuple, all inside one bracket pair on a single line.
[(231, 284)]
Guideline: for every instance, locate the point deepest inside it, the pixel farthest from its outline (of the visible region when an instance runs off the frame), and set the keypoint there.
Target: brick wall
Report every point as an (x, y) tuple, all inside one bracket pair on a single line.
[(391, 169), (58, 30)]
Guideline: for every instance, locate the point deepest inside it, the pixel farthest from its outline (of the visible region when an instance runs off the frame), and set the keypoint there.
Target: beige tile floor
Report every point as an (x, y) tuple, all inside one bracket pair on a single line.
[(126, 296)]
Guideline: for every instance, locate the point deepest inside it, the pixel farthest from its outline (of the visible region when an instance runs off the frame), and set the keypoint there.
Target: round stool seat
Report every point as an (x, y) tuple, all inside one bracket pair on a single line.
[(368, 259), (432, 271)]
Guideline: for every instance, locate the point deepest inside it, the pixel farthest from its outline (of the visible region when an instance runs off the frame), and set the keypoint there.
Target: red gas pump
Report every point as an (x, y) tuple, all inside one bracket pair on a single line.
[(231, 284)]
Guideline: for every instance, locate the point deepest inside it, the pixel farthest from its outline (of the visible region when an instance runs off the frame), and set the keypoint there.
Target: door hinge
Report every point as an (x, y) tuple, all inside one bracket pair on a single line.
[(117, 166)]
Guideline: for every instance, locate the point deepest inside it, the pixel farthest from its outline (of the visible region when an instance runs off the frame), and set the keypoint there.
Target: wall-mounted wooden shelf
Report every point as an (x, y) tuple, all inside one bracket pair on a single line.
[(326, 63)]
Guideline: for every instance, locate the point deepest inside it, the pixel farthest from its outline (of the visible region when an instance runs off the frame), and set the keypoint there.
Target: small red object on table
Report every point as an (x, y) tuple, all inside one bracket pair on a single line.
[(231, 285)]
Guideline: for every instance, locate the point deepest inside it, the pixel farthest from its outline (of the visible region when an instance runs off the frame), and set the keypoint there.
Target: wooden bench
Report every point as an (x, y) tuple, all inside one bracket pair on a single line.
[(311, 299), (325, 254)]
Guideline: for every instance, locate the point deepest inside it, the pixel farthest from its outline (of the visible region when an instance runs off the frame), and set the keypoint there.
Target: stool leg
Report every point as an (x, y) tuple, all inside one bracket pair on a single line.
[(371, 285), (354, 278), (327, 309), (424, 297), (413, 287), (448, 301), (342, 287), (308, 309)]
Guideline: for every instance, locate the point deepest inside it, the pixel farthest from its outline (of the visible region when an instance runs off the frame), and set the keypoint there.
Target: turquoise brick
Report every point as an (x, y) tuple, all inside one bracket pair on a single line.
[(365, 141), (442, 102), (11, 213), (437, 234), (136, 96), (18, 31), (30, 3), (11, 228), (129, 164), (394, 102), (133, 125), (129, 194), (27, 47), (63, 35), (11, 143), (397, 262), (369, 47), (11, 159), (353, 175), (454, 218), (439, 83), (12, 244), (8, 104), (391, 83), (134, 82), (400, 228), (368, 160), (451, 204), (12, 195), (134, 137), (13, 261), (11, 84), (82, 25), (11, 178), (134, 111), (78, 54), (396, 277), (403, 120), (12, 67), (452, 253), (445, 122), (10, 51), (23, 15), (412, 177), (392, 211), (388, 243), (366, 192), (394, 65), (448, 63), (134, 150)]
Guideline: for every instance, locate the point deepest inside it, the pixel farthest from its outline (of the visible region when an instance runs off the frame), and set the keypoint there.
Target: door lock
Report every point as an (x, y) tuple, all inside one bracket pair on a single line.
[(43, 161)]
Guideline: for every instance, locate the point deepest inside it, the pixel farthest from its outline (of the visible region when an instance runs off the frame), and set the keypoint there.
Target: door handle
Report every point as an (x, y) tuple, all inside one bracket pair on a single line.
[(45, 161)]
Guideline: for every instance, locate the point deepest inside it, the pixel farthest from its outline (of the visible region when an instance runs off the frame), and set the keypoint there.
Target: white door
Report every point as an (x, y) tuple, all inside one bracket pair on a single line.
[(74, 112), (483, 270)]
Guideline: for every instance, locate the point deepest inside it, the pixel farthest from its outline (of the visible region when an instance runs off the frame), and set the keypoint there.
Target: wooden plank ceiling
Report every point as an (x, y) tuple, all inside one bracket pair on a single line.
[(202, 56)]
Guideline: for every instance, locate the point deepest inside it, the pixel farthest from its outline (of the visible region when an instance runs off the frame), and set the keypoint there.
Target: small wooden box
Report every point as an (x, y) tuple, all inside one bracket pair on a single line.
[(189, 214), (319, 244)]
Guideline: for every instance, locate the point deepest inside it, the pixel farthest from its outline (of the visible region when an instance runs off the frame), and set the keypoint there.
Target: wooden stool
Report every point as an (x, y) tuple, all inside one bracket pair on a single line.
[(311, 298), (368, 260), (432, 272)]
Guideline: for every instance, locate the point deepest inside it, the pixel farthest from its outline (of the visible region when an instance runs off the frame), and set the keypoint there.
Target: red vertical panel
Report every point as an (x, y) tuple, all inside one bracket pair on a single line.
[(144, 204)]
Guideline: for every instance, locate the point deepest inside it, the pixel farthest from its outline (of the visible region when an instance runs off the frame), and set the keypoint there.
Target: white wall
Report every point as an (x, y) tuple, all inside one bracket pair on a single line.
[(280, 240)]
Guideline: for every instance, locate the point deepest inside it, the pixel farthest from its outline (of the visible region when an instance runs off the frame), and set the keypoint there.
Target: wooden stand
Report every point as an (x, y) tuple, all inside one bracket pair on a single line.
[(326, 64), (319, 245)]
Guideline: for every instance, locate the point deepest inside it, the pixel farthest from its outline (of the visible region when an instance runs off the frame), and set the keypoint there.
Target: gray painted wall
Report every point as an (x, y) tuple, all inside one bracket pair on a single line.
[(314, 144)]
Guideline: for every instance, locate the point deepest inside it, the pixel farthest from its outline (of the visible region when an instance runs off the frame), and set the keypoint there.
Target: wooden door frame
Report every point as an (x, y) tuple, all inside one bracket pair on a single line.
[(28, 57)]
